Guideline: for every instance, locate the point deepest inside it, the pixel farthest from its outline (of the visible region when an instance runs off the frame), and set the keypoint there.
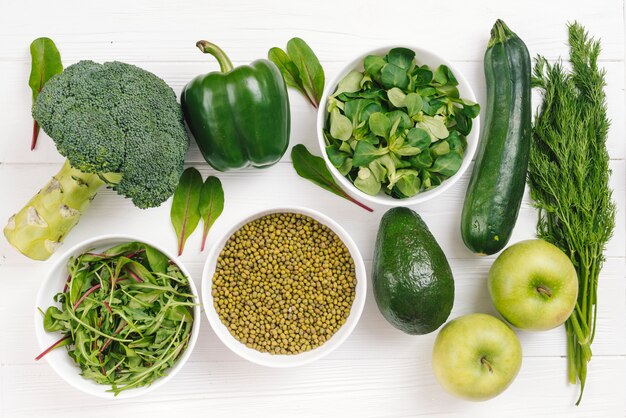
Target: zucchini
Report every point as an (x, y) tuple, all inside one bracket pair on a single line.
[(496, 186)]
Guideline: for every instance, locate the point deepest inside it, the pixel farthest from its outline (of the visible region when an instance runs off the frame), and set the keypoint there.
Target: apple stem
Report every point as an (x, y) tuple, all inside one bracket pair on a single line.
[(485, 362), (544, 291)]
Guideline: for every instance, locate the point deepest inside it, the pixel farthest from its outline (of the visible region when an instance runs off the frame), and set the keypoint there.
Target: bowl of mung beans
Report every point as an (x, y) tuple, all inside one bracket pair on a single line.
[(284, 286)]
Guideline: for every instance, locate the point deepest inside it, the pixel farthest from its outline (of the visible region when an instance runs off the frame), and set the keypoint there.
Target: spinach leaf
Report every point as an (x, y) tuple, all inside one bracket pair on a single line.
[(314, 169), (184, 213), (45, 63), (210, 205), (401, 57), (300, 69), (311, 71), (393, 76)]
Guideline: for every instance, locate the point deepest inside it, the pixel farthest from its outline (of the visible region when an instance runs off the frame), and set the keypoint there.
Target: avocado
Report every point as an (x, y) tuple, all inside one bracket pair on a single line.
[(412, 280)]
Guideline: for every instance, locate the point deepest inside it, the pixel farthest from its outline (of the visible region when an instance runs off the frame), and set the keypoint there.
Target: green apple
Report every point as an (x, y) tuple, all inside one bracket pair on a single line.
[(533, 285), (476, 357)]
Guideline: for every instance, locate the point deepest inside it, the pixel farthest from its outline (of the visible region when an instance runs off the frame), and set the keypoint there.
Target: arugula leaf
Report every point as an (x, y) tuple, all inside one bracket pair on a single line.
[(210, 205), (314, 169), (46, 62), (184, 213)]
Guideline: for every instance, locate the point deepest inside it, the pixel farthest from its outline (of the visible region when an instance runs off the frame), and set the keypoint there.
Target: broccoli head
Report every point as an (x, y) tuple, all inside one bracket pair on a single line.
[(117, 118), (116, 124)]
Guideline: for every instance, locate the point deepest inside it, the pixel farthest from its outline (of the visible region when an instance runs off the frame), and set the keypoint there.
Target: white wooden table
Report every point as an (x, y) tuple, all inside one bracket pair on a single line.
[(379, 371)]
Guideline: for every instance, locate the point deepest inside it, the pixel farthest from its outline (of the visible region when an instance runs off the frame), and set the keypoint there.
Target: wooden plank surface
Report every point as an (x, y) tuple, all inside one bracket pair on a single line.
[(378, 371)]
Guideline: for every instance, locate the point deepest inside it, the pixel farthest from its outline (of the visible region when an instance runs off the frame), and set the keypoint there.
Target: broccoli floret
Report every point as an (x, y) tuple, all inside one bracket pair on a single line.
[(117, 118)]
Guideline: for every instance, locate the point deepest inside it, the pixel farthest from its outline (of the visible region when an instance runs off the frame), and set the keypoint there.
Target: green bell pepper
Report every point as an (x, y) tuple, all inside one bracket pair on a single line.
[(238, 116)]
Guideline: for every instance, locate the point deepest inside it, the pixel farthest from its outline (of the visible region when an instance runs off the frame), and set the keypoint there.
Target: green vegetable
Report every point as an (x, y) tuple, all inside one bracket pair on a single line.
[(569, 180), (314, 169), (238, 116), (496, 187), (125, 315), (46, 62), (301, 69), (185, 213), (411, 277), (402, 118), (117, 125), (211, 204)]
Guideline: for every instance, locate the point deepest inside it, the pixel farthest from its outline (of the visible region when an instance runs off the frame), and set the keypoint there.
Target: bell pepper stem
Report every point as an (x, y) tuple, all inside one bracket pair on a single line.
[(209, 48)]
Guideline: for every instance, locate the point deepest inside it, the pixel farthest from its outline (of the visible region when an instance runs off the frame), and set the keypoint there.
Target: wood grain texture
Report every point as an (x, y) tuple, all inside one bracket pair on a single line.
[(378, 371)]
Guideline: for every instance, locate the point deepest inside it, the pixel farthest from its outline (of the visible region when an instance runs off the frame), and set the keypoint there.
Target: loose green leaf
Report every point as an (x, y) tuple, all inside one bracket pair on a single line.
[(156, 259), (46, 62), (288, 69), (184, 213), (311, 71), (210, 205), (314, 169), (440, 148), (336, 156)]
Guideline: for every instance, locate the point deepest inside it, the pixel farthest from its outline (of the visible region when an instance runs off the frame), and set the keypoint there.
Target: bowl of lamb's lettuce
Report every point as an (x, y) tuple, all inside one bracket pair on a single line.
[(398, 125)]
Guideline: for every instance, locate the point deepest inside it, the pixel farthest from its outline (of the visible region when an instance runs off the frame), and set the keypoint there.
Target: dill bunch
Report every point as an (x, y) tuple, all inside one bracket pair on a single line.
[(568, 176)]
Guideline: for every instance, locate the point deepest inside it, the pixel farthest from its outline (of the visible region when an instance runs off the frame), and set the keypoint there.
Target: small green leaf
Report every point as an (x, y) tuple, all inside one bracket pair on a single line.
[(379, 124), (311, 71), (448, 164), (340, 125), (393, 76), (401, 57), (184, 213), (396, 97), (336, 156), (314, 169), (367, 182), (413, 103), (421, 161), (349, 84), (405, 120), (373, 64), (443, 75), (45, 63), (440, 148), (288, 69), (211, 204), (365, 153), (419, 138), (435, 126), (157, 260), (346, 167), (422, 76)]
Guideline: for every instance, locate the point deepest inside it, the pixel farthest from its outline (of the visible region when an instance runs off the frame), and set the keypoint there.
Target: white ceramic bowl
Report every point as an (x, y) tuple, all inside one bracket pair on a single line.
[(281, 360), (59, 360), (422, 56)]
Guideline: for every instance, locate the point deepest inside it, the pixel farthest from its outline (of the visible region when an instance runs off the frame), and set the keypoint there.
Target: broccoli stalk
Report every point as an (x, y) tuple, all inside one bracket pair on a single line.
[(117, 125), (38, 229)]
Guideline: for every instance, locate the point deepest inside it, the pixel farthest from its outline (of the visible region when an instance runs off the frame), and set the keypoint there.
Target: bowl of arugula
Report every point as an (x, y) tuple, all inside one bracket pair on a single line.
[(116, 316), (398, 125)]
